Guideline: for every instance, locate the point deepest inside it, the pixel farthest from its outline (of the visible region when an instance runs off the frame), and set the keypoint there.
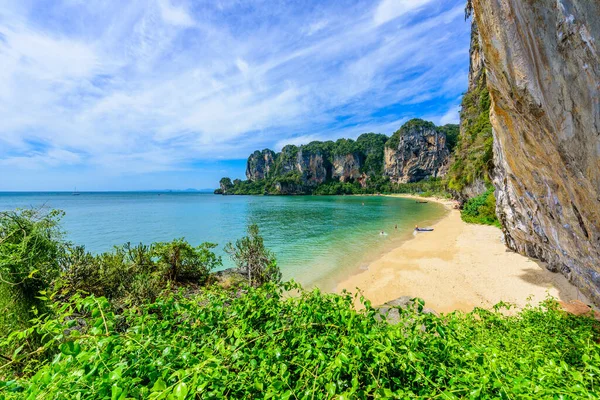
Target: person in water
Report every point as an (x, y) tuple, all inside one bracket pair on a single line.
[(396, 227)]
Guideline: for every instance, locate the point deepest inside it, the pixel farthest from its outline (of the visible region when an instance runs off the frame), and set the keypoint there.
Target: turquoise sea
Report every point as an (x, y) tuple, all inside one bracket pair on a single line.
[(317, 239)]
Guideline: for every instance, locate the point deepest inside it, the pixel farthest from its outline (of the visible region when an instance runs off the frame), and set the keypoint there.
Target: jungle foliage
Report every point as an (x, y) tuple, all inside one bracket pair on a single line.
[(481, 209), (265, 340), (473, 155), (264, 343)]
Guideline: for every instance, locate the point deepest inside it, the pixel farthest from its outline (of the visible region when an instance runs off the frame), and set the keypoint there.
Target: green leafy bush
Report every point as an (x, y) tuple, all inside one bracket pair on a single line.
[(481, 209), (253, 259), (473, 154), (267, 344), (31, 244), (134, 275), (179, 261)]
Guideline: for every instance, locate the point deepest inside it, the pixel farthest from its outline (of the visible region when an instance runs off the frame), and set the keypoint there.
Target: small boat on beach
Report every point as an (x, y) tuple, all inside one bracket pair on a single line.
[(421, 201)]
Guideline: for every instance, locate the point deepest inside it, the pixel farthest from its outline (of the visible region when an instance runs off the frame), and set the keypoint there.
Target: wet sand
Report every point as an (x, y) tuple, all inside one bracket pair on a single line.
[(459, 266)]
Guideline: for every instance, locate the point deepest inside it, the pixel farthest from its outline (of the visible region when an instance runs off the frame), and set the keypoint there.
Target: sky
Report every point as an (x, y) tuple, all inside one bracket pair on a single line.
[(175, 94)]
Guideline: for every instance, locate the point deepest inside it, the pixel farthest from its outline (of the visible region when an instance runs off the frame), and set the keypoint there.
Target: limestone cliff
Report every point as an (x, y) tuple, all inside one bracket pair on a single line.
[(472, 165), (370, 164), (415, 152), (260, 164), (346, 167), (313, 166), (543, 70)]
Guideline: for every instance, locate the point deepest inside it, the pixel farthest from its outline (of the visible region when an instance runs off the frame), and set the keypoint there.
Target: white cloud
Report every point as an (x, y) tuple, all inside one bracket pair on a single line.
[(298, 140), (316, 27), (451, 117), (40, 160), (175, 15), (242, 65), (388, 10)]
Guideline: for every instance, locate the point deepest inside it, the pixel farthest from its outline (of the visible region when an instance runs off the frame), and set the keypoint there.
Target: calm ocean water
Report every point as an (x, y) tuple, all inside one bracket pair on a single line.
[(316, 239)]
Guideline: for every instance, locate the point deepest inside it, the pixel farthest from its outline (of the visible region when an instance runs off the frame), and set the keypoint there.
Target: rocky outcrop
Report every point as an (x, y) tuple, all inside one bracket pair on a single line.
[(471, 169), (225, 185), (392, 310), (415, 152), (312, 166), (346, 167), (260, 164), (476, 58), (543, 70)]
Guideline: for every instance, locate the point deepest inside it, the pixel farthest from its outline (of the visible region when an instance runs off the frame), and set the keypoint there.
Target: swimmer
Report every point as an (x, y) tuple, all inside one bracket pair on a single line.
[(396, 227)]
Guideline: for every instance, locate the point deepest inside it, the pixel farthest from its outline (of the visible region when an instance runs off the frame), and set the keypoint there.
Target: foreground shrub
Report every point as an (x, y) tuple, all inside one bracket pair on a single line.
[(30, 246), (265, 344), (134, 275), (253, 259)]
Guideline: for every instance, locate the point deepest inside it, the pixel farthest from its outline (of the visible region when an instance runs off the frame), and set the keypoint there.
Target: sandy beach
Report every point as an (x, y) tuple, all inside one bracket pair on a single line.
[(459, 266)]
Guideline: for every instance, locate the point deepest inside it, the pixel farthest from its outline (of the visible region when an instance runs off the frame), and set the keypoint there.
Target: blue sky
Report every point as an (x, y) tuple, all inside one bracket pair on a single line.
[(155, 94)]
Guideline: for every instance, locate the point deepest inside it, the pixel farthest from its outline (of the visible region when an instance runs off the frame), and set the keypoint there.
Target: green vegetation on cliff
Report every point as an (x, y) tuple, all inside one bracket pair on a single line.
[(473, 156), (371, 147), (481, 209), (452, 132), (411, 125)]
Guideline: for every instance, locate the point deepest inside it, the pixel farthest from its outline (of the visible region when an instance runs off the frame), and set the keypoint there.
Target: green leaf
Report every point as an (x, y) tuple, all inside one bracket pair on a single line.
[(159, 385), (180, 391), (70, 348), (331, 389), (117, 393)]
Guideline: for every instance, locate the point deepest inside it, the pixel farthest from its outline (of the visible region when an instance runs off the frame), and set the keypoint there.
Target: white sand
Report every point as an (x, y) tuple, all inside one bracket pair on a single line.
[(459, 266)]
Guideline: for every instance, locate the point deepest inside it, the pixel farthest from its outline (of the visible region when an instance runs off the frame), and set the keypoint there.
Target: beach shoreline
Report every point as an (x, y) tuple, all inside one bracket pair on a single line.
[(458, 266)]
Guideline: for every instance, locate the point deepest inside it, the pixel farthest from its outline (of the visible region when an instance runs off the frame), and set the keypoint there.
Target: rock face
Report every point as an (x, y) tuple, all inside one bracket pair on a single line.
[(415, 152), (287, 160), (392, 310), (260, 164), (542, 60), (312, 166), (474, 149), (346, 167)]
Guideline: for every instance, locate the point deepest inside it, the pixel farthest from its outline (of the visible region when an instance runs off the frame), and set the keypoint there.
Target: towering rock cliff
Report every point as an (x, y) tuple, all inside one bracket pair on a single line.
[(472, 165), (346, 167), (543, 71), (260, 164), (313, 166), (415, 152)]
